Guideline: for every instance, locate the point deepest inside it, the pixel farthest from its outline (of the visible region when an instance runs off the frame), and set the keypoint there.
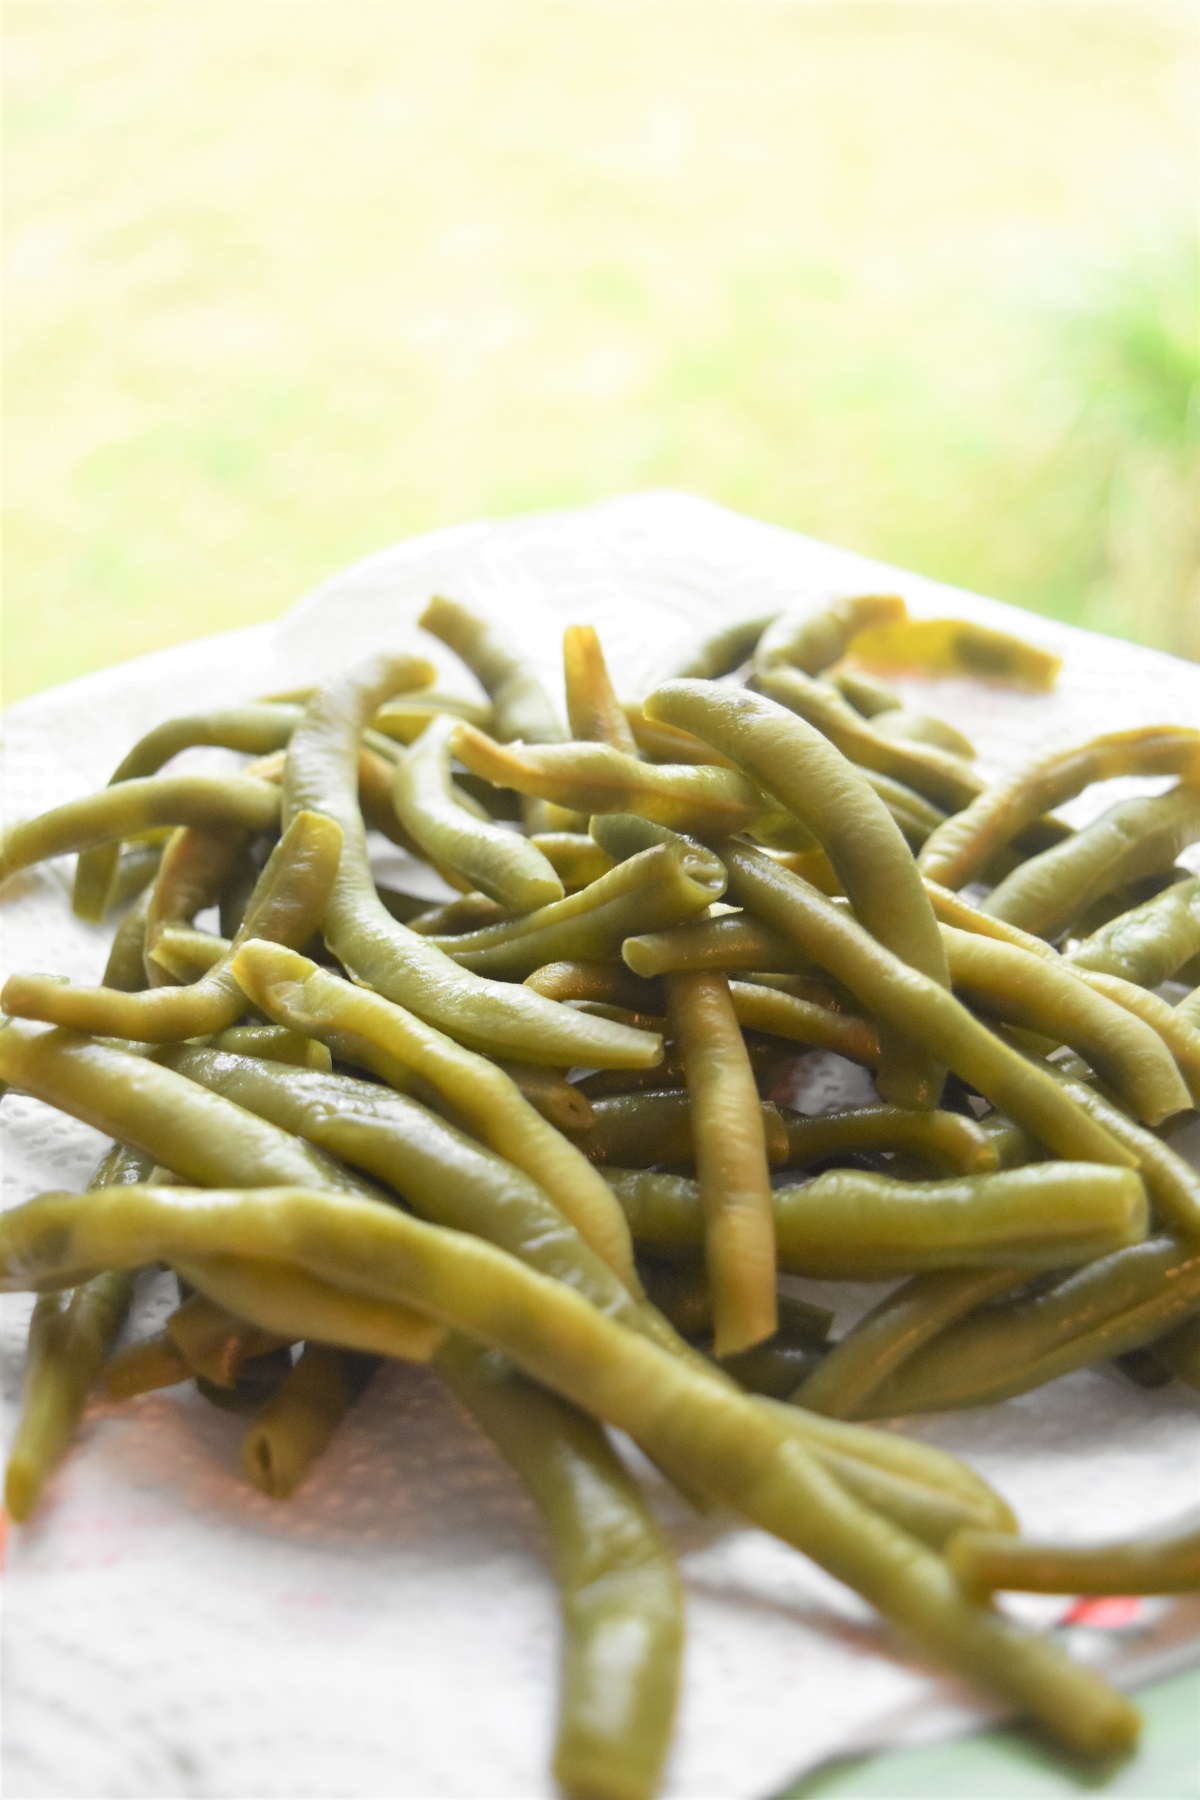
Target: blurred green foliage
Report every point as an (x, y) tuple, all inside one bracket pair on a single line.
[(288, 280)]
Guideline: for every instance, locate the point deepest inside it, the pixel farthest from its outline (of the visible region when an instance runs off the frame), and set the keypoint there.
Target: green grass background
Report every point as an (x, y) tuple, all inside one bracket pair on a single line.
[(288, 280)]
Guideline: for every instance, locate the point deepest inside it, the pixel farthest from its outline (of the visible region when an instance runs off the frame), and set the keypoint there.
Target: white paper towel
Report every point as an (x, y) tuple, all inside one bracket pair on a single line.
[(391, 1630)]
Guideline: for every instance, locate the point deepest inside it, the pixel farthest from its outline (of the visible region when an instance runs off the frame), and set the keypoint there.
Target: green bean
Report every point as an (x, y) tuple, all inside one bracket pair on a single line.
[(588, 979), (126, 968), (1180, 1038), (393, 1042), (689, 797), (195, 869), (916, 816), (1166, 1561), (725, 650), (894, 1330), (255, 729), (575, 858), (499, 863), (278, 1297), (799, 769), (134, 807), (963, 845), (1133, 838), (593, 710), (946, 780), (120, 877), (1148, 944), (730, 1149), (664, 744), (520, 706), (1116, 1303), (288, 904), (958, 647), (894, 992), (1178, 1351), (926, 1513), (865, 693), (924, 728), (950, 1141), (405, 720), (619, 1590), (640, 1129), (301, 1417), (556, 1098), (1048, 998), (509, 1021), (70, 1335), (186, 953), (214, 1342), (1172, 1183), (851, 1226), (142, 1368), (622, 835), (734, 940), (467, 913), (657, 887), (802, 1021), (811, 638), (200, 1136), (737, 1447), (950, 908), (274, 1043)]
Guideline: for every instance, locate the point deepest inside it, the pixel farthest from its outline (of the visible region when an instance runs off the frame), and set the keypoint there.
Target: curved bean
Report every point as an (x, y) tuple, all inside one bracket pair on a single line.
[(720, 653), (1148, 944), (803, 1021), (593, 710), (951, 1141), (640, 1129), (958, 647), (811, 638), (300, 1418), (1166, 1561)]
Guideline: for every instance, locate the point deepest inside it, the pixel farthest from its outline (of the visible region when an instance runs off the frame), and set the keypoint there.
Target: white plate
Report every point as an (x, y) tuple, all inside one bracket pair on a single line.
[(391, 1629)]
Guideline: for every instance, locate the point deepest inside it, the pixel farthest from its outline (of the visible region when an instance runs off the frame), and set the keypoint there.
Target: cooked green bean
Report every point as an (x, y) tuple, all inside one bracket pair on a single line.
[(811, 638), (916, 816), (467, 913), (734, 940), (950, 1141), (852, 1226), (894, 1330), (195, 869), (924, 728), (622, 835), (274, 1043), (1178, 1351), (206, 801), (200, 1136), (1117, 1302), (556, 1098), (287, 906), (593, 710), (499, 863), (813, 781), (405, 720), (1150, 943), (70, 1335), (964, 844), (520, 705), (866, 694), (119, 876), (126, 965), (397, 1044), (1172, 1183), (641, 1129), (142, 1368), (730, 1149), (894, 992), (1166, 1561), (664, 744), (946, 780), (301, 1417), (186, 953), (584, 979), (1048, 998), (506, 1020), (958, 647), (950, 908), (723, 651), (575, 858), (594, 778), (736, 1447), (1133, 838), (1180, 1038), (759, 1008), (658, 887), (619, 1590), (214, 1342)]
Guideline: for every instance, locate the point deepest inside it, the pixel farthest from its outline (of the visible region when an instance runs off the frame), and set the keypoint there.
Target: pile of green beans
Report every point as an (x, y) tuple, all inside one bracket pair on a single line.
[(532, 1136)]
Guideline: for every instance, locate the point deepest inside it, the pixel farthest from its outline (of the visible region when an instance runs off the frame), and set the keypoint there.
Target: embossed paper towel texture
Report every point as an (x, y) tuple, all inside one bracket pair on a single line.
[(391, 1630)]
